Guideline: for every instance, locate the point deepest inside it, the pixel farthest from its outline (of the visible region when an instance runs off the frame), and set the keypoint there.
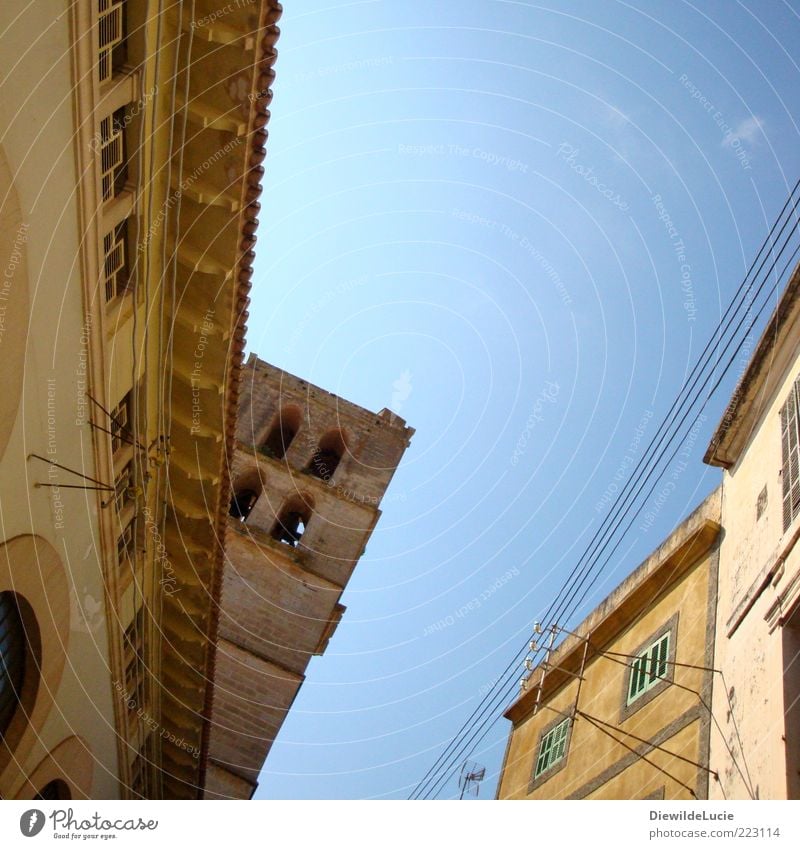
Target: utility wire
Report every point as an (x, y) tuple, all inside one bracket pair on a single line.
[(623, 504)]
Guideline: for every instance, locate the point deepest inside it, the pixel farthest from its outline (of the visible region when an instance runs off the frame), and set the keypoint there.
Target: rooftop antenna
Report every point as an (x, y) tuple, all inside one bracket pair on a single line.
[(471, 776)]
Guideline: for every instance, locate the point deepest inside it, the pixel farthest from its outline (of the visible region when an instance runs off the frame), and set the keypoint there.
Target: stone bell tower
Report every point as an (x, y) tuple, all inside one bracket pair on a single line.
[(308, 473)]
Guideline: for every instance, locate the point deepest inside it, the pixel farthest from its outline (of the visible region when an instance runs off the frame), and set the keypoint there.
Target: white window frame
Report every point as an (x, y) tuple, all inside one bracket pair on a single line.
[(552, 748), (654, 659)]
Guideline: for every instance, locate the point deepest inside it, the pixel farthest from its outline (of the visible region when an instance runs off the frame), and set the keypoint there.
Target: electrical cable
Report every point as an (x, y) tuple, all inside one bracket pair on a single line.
[(620, 504)]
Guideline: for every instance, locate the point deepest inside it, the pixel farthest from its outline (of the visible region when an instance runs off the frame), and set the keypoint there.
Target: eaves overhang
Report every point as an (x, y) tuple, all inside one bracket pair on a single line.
[(775, 350), (690, 541)]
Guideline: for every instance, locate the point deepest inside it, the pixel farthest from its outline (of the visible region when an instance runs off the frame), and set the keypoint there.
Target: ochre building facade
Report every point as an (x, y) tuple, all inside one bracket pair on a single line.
[(130, 167), (620, 709)]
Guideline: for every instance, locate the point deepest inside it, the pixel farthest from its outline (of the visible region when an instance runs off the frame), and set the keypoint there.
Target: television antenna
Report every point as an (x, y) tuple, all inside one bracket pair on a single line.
[(471, 776)]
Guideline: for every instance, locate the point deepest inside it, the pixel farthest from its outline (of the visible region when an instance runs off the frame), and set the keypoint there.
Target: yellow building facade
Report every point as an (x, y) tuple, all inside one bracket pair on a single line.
[(130, 170), (620, 709)]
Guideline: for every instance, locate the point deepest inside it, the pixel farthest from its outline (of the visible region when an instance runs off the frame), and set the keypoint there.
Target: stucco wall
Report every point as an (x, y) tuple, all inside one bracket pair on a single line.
[(597, 766), (758, 562)]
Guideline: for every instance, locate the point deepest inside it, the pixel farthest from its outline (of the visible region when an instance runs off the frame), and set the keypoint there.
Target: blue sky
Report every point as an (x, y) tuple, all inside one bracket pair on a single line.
[(466, 217)]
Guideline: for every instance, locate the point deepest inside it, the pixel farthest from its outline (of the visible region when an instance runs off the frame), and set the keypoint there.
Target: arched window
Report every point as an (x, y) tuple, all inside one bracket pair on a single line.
[(246, 490), (53, 791), (328, 455), (242, 503), (283, 431), (13, 656), (293, 520)]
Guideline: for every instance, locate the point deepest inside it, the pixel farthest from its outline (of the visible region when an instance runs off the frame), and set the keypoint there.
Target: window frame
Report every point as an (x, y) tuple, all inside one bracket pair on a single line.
[(654, 688), (548, 731), (789, 418), (656, 657)]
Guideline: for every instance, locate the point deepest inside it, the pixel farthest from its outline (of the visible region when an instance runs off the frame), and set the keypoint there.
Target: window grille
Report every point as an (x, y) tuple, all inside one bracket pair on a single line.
[(115, 266), (123, 487), (120, 424), (111, 29), (112, 154), (790, 472)]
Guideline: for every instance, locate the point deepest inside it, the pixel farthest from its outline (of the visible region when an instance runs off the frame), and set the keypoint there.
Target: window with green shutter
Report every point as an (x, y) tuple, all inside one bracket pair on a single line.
[(790, 450), (649, 667), (552, 748)]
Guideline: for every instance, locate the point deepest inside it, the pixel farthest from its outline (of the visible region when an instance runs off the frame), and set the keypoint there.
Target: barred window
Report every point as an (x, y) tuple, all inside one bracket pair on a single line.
[(649, 668), (791, 455), (111, 37), (552, 748), (113, 161), (12, 658), (115, 262), (123, 487), (120, 423), (133, 643)]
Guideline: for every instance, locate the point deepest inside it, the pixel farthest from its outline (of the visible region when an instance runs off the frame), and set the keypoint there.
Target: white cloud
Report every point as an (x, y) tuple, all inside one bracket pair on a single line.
[(750, 131)]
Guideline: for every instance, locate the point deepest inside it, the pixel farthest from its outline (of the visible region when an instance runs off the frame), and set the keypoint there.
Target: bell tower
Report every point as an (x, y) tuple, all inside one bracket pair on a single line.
[(308, 473)]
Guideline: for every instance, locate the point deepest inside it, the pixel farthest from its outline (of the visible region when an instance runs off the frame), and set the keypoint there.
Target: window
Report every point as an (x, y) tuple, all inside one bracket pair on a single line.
[(123, 487), (133, 648), (120, 423), (293, 521), (141, 766), (242, 503), (328, 455), (790, 472), (552, 748), (649, 668), (282, 433), (115, 262), (113, 164), (13, 652), (53, 791), (111, 37), (126, 555)]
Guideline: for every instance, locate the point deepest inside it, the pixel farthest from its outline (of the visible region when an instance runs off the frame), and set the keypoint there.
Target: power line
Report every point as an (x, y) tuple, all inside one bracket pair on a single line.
[(627, 497)]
